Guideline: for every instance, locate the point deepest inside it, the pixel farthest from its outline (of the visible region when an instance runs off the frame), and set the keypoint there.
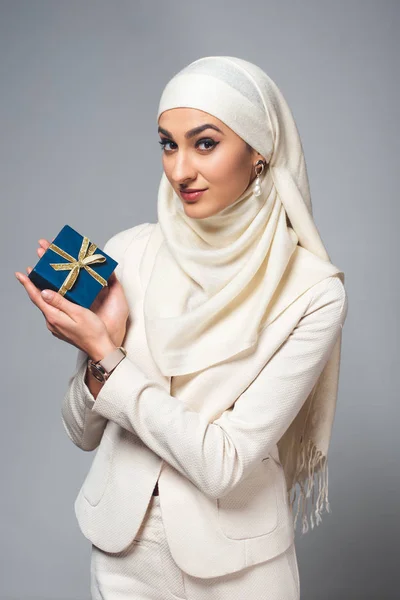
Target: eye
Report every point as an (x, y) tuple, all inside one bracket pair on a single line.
[(164, 142), (208, 141)]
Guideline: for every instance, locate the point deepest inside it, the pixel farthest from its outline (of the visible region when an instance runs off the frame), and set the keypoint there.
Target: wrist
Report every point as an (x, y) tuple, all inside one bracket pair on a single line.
[(111, 357), (118, 338), (93, 384), (102, 349)]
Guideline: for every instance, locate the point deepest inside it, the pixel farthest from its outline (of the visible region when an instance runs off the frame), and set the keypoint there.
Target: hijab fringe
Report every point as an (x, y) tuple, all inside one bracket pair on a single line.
[(311, 494)]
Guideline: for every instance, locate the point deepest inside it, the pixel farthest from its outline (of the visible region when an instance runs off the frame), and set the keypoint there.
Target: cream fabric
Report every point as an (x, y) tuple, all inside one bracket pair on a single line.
[(209, 438), (229, 266), (146, 569), (218, 282)]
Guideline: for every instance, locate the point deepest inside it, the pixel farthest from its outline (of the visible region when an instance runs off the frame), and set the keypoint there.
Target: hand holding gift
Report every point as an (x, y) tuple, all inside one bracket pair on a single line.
[(97, 330)]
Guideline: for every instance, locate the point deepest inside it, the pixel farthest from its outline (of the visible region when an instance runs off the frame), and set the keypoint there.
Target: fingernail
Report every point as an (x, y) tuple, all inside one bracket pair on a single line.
[(47, 294), (18, 277)]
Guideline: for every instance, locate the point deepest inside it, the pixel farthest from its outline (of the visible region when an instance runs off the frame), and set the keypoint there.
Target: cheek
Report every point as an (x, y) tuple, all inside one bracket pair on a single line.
[(230, 175), (168, 168), (224, 169)]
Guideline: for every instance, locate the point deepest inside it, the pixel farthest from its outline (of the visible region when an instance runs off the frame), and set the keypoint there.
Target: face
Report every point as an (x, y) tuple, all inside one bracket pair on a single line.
[(200, 152)]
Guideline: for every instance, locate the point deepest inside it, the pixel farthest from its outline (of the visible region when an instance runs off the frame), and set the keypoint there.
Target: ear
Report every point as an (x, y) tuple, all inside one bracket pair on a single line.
[(260, 157), (255, 156)]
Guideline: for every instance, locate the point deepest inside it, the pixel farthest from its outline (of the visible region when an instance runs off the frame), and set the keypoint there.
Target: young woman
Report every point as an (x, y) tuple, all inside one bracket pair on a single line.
[(215, 416)]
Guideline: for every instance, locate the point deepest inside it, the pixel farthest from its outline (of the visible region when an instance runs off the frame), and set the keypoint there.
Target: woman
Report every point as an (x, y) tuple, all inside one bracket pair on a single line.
[(217, 413)]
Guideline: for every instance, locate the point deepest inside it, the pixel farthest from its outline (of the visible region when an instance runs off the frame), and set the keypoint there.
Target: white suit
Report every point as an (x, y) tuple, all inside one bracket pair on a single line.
[(222, 488)]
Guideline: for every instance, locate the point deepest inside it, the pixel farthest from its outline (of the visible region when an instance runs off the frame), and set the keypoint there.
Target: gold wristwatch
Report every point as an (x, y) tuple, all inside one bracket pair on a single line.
[(103, 368)]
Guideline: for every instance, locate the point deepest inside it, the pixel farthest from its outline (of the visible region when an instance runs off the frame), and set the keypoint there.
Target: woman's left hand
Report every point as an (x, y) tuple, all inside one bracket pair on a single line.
[(70, 322)]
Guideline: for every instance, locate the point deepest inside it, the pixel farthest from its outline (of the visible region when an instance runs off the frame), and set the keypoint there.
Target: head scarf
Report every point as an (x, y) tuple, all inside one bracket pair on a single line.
[(218, 281)]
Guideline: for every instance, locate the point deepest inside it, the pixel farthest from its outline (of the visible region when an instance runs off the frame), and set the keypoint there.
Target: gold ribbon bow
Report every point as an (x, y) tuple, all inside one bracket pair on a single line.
[(85, 258)]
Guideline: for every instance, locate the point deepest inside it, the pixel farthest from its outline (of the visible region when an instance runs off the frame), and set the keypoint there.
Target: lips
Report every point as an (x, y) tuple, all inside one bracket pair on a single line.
[(191, 195)]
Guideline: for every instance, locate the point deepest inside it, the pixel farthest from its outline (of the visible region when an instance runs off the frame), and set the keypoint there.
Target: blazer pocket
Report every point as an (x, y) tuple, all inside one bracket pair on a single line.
[(96, 480), (250, 509)]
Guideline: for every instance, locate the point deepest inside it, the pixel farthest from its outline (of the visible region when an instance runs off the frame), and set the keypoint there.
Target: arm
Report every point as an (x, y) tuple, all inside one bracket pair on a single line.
[(216, 456), (84, 427)]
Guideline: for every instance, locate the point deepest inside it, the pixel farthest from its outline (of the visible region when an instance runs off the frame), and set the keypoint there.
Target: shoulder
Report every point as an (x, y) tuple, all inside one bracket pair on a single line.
[(117, 245), (329, 298)]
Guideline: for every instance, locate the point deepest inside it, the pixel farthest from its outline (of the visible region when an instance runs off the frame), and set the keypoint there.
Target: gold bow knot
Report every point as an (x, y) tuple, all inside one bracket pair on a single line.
[(85, 258)]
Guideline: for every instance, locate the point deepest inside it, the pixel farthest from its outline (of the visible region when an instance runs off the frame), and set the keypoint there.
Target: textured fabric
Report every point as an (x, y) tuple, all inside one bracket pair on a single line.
[(216, 455), (218, 276), (209, 438), (224, 278), (146, 570)]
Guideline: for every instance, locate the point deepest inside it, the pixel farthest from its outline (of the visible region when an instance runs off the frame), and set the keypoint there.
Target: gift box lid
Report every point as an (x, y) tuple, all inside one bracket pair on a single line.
[(86, 286)]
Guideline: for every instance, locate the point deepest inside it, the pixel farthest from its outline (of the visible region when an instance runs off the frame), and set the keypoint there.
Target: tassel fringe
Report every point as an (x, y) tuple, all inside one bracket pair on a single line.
[(311, 494)]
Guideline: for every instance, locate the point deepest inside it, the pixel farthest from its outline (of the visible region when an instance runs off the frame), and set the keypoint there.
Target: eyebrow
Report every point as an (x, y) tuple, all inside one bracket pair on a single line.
[(192, 132)]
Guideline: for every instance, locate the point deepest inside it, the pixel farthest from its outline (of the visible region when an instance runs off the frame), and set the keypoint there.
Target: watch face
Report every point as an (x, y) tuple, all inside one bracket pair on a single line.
[(97, 372)]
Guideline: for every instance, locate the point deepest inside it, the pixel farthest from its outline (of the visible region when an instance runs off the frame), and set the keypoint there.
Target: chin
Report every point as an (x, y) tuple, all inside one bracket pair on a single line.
[(198, 212)]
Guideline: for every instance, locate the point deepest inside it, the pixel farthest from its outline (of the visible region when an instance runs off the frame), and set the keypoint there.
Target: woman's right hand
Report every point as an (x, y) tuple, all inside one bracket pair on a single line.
[(110, 304)]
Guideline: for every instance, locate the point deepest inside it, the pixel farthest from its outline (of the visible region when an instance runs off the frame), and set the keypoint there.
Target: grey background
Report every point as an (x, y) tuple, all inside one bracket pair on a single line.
[(80, 85)]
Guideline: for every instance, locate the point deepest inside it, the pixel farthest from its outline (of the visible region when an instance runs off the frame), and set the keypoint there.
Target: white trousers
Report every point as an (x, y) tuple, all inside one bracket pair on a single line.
[(147, 571)]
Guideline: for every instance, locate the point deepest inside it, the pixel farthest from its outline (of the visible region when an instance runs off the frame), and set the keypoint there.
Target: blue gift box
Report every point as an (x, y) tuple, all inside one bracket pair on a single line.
[(82, 280)]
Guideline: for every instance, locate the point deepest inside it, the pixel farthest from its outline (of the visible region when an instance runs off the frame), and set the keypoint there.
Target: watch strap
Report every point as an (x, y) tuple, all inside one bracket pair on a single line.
[(112, 359)]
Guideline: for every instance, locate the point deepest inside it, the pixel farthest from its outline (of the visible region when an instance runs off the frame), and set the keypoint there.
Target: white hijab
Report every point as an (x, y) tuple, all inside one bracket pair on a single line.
[(219, 280)]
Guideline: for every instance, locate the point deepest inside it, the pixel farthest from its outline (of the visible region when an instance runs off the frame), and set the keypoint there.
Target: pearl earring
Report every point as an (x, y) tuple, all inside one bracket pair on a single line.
[(259, 167)]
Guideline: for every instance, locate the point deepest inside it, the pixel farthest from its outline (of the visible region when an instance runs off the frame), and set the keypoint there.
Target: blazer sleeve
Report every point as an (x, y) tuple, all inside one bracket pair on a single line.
[(216, 456), (83, 426)]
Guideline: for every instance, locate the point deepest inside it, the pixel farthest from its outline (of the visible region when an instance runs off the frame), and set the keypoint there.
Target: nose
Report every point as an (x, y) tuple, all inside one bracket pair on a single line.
[(183, 169)]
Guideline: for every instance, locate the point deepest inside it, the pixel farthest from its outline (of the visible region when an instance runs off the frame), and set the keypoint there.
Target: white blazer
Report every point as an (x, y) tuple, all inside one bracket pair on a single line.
[(209, 438)]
